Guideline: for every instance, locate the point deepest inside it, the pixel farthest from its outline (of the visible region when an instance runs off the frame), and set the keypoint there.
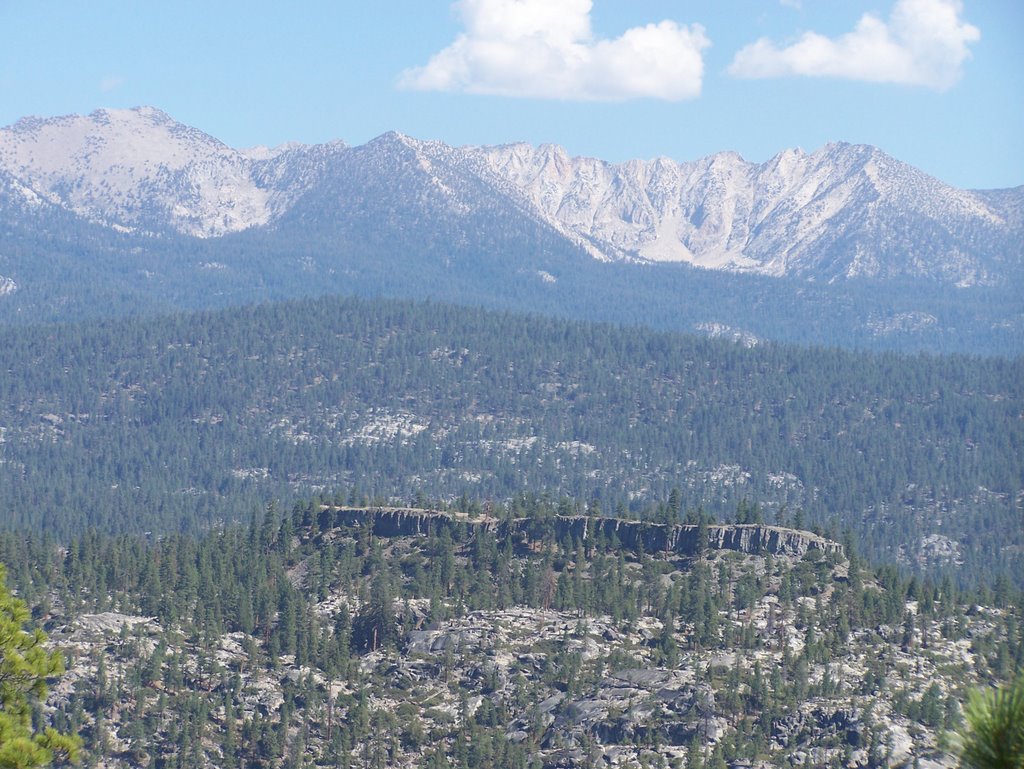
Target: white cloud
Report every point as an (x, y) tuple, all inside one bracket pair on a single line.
[(546, 49), (924, 42)]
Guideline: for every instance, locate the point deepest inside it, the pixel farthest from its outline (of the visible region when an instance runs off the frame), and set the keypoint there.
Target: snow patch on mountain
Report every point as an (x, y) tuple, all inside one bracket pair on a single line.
[(546, 276)]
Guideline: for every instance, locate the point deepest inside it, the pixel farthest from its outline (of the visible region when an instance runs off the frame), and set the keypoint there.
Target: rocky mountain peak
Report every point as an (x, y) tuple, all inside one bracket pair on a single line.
[(841, 211), (136, 168)]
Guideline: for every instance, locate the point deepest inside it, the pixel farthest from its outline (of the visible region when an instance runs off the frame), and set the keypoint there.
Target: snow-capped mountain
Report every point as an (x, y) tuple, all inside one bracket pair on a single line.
[(842, 211), (139, 168)]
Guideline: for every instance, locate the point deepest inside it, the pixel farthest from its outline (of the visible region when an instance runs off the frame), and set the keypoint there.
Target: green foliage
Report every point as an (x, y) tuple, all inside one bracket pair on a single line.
[(25, 666), (166, 693), (174, 424), (993, 737)]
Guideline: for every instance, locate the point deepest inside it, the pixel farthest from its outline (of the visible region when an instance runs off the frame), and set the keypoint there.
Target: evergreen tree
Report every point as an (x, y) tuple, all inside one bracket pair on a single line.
[(994, 735), (25, 665)]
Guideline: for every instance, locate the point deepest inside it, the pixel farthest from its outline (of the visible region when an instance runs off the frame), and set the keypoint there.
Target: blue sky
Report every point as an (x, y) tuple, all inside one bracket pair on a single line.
[(937, 83)]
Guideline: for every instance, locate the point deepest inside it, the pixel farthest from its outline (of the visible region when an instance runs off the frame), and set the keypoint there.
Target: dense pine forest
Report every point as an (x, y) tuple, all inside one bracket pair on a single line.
[(184, 422), (195, 512)]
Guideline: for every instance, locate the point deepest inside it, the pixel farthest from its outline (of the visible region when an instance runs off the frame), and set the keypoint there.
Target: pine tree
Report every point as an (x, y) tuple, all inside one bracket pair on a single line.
[(25, 664), (994, 735)]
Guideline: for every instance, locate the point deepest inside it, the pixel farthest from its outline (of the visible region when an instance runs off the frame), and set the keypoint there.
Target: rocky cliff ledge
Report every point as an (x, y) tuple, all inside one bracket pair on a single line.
[(752, 539)]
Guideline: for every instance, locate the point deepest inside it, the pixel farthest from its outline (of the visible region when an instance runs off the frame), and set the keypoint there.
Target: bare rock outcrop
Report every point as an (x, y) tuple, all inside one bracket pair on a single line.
[(679, 539)]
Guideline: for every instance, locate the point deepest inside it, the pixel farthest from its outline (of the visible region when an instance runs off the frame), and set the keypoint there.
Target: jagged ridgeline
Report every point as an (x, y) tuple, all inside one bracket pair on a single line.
[(129, 211), (179, 422)]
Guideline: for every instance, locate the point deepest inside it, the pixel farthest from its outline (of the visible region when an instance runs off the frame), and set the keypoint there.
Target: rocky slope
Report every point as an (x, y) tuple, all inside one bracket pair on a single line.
[(843, 211), (782, 662), (130, 168)]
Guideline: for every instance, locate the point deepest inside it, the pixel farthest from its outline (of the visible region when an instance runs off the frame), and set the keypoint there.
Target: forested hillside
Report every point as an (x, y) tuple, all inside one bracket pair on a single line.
[(305, 640), (180, 422)]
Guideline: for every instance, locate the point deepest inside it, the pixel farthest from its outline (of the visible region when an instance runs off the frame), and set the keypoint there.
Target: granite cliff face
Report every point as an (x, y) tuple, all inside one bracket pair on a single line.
[(751, 539)]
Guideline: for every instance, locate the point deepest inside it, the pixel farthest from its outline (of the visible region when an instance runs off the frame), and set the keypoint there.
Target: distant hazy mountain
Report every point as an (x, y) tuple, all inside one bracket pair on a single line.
[(477, 217), (841, 211)]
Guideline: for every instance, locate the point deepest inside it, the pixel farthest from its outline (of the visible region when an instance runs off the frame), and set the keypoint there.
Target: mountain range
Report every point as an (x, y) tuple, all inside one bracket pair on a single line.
[(501, 225)]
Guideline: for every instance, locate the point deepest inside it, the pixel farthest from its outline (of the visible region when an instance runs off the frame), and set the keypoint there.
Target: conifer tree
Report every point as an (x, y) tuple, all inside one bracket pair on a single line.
[(25, 665), (994, 735)]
